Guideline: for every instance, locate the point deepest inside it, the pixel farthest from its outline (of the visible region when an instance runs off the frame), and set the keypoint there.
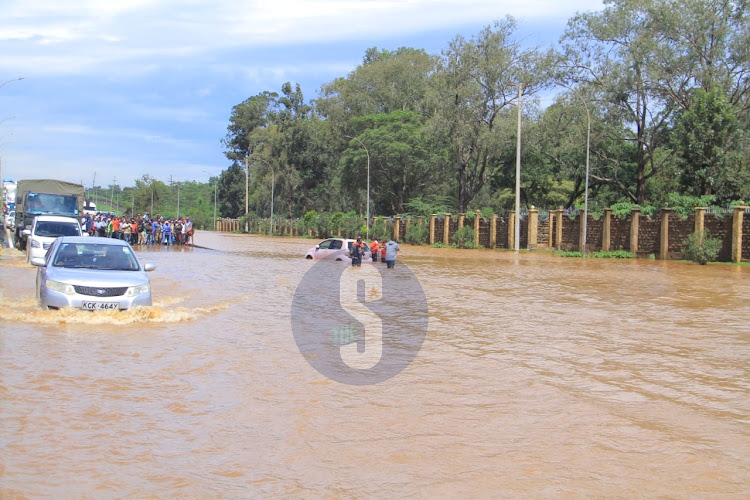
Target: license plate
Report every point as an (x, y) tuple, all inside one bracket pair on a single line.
[(93, 306)]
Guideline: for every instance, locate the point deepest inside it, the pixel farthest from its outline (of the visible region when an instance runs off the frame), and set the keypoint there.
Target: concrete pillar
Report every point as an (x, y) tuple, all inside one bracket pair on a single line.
[(581, 222), (461, 218), (447, 229), (493, 231), (431, 237), (559, 229), (533, 228), (477, 221), (396, 227), (636, 215), (607, 230), (407, 223), (552, 223), (664, 237), (512, 229), (737, 219), (700, 222)]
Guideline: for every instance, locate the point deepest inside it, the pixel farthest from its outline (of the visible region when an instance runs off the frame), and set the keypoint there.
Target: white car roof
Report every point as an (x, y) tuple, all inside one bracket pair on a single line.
[(55, 218)]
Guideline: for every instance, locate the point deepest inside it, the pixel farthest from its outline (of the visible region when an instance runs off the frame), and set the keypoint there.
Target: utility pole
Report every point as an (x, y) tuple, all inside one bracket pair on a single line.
[(112, 194), (93, 188), (517, 235), (247, 184)]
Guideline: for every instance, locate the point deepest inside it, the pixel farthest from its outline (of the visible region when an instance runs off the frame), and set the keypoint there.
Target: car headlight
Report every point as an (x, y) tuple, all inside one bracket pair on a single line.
[(65, 288), (134, 291), (35, 244)]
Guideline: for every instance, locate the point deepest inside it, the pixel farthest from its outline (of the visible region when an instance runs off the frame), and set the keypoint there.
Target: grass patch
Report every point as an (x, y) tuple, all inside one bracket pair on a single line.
[(611, 254)]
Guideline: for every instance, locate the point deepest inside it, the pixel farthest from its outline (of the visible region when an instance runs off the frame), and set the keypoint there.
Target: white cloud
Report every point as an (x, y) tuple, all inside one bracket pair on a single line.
[(86, 35)]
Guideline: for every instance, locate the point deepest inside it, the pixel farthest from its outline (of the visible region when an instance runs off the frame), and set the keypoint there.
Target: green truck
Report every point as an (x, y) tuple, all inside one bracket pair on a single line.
[(45, 197)]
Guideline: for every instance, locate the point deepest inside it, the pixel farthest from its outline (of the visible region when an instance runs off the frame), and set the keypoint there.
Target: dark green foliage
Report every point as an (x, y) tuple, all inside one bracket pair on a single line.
[(464, 238), (381, 229), (417, 234), (699, 248), (685, 204)]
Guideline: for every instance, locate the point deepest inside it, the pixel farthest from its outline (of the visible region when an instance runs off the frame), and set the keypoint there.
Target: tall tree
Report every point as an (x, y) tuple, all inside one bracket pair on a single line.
[(404, 162), (475, 80), (611, 51)]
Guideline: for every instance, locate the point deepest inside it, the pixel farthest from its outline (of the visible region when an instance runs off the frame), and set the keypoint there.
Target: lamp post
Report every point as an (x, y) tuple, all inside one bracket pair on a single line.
[(588, 154), (368, 185), (273, 185), (517, 225), (216, 179), (247, 184)]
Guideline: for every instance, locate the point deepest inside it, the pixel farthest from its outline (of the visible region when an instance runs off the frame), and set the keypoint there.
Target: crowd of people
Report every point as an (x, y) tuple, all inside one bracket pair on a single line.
[(386, 251), (140, 230)]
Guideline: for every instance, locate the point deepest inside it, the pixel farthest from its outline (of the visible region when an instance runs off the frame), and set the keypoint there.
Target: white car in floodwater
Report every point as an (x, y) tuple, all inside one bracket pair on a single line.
[(336, 249), (45, 229)]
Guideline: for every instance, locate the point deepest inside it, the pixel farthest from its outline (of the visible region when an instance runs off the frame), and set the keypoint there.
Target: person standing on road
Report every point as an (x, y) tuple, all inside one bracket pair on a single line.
[(358, 249), (391, 248), (374, 246)]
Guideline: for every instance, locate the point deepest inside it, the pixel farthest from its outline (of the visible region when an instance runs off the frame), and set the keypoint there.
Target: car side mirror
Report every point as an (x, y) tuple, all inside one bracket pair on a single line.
[(38, 262), (149, 267), (317, 247)]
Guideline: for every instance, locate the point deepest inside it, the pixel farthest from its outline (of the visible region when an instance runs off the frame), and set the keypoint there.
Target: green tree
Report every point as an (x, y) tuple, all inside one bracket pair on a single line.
[(705, 136), (475, 82), (404, 162), (612, 52)]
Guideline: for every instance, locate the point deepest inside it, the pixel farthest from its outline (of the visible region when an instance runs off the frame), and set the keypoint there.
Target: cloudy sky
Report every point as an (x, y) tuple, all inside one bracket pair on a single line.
[(121, 88)]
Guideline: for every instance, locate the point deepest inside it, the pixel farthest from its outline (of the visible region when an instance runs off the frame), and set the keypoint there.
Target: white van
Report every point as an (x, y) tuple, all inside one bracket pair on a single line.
[(45, 229)]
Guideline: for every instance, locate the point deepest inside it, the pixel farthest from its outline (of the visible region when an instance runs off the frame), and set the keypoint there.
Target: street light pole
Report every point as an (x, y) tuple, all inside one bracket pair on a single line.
[(273, 183), (588, 155), (247, 184), (216, 180), (517, 225), (368, 185)]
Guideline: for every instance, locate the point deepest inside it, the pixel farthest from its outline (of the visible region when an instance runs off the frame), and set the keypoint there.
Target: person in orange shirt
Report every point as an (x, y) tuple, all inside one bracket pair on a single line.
[(116, 228), (374, 248)]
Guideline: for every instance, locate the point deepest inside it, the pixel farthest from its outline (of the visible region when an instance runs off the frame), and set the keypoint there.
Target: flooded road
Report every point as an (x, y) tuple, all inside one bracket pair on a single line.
[(539, 377)]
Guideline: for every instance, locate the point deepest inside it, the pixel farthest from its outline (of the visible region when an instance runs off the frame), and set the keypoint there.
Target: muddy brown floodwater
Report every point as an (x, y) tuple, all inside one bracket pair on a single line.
[(539, 377)]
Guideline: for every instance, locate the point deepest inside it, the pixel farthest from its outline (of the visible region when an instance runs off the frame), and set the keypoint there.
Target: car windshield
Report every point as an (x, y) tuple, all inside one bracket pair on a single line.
[(95, 256), (55, 229)]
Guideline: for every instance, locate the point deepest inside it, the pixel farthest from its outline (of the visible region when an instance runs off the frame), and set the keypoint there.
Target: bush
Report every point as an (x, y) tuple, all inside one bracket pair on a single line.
[(440, 244), (699, 248), (614, 254), (622, 210), (685, 204), (351, 226), (464, 238), (416, 235), (310, 219), (382, 229)]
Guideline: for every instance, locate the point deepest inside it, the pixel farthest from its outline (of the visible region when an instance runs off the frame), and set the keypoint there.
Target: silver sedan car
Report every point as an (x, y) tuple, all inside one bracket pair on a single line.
[(91, 274)]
